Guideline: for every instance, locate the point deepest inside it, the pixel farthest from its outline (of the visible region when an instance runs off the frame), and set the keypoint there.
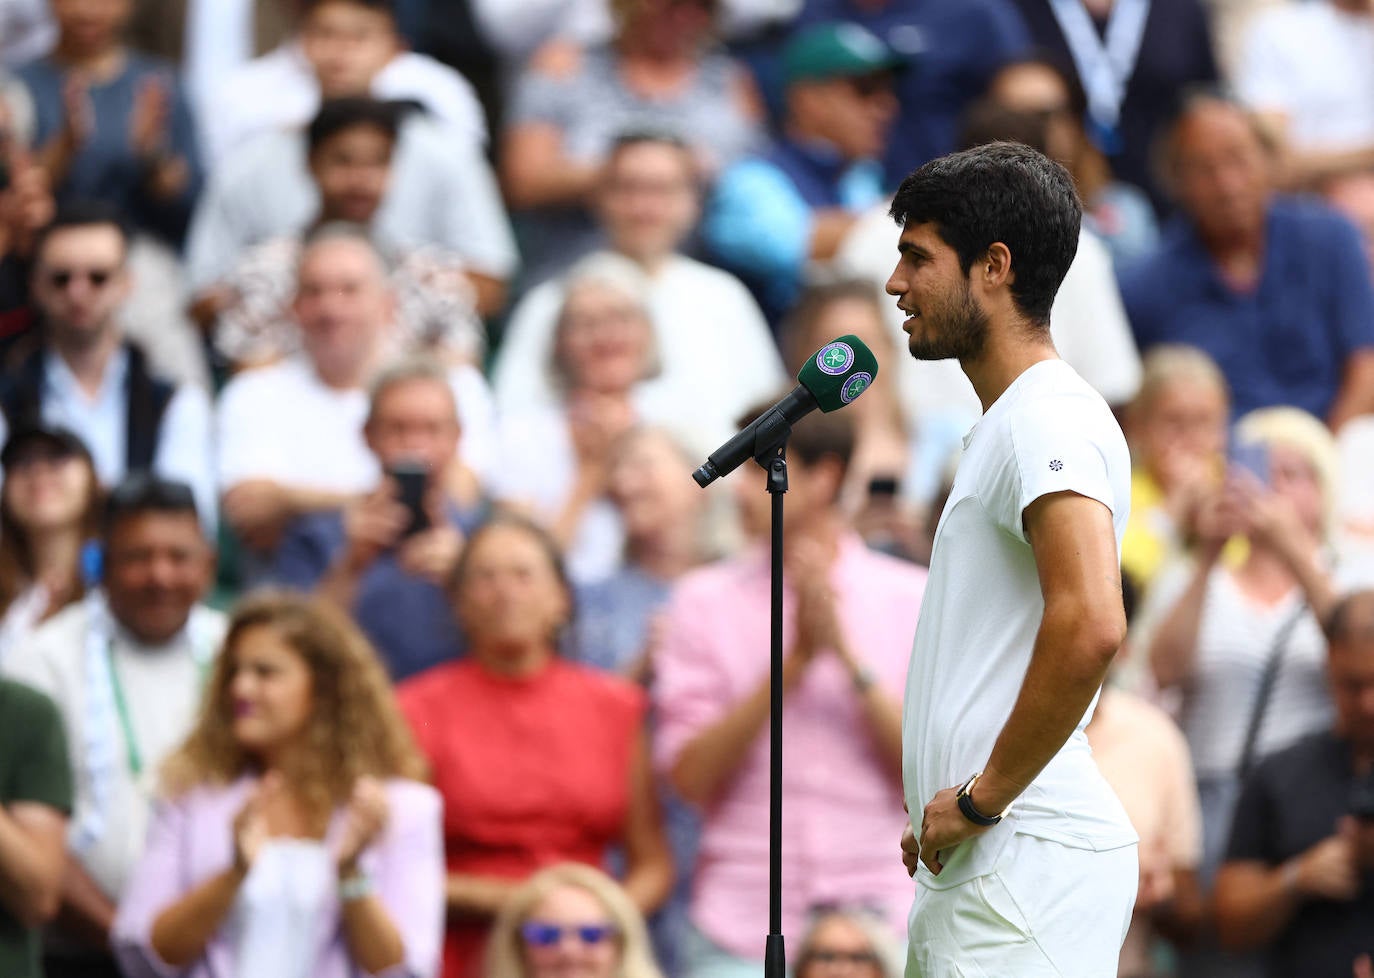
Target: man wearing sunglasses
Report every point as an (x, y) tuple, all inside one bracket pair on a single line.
[(83, 374), (794, 203)]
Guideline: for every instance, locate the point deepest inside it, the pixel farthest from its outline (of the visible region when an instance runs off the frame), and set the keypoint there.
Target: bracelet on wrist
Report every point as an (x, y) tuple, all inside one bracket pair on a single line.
[(356, 886), (1292, 871)]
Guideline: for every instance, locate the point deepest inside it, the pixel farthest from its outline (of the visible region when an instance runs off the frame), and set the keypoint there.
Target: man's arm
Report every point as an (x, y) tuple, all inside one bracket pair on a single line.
[(1356, 394), (1084, 623), (33, 854), (87, 913)]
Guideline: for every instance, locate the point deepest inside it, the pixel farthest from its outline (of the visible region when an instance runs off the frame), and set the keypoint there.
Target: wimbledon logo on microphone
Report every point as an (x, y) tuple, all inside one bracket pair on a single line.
[(855, 386), (835, 358)]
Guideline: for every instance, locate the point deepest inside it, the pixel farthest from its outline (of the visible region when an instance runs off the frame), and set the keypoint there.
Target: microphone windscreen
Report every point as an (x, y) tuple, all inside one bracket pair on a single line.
[(839, 372)]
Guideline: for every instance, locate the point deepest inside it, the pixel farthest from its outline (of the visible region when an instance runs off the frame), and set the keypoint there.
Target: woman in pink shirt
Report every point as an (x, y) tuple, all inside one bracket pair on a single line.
[(294, 839)]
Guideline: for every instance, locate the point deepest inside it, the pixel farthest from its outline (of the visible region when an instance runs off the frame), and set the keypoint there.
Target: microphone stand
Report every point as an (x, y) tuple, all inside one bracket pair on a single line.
[(775, 958)]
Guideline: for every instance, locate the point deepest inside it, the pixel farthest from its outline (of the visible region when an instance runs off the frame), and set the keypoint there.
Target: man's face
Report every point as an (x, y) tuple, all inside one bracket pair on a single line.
[(852, 113), (1038, 89), (80, 281), (648, 200), (352, 169), (343, 303), (157, 566), (348, 45), (415, 421), (1221, 173), (1350, 669), (944, 319), (91, 24)]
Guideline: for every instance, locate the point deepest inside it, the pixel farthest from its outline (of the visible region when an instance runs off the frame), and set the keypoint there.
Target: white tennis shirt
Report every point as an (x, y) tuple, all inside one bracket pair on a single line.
[(1049, 432)]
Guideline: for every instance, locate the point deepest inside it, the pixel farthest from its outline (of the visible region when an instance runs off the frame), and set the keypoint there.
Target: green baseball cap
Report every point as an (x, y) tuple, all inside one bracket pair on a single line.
[(837, 50)]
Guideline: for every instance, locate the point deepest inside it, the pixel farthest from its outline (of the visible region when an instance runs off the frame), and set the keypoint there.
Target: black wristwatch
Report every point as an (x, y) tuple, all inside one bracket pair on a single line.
[(965, 799)]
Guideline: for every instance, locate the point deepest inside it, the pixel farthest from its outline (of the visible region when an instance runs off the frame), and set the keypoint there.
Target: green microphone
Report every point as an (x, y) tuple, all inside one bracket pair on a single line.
[(832, 377)]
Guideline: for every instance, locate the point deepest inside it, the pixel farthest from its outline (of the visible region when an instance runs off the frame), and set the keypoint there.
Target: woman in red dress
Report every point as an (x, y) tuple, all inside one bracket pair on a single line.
[(539, 760)]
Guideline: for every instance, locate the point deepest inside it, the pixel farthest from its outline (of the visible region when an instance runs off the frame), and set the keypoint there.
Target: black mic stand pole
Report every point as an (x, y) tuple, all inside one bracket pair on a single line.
[(775, 959)]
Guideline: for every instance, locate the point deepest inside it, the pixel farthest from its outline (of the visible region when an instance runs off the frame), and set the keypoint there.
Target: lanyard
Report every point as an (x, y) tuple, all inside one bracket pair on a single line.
[(121, 702), (1105, 65)]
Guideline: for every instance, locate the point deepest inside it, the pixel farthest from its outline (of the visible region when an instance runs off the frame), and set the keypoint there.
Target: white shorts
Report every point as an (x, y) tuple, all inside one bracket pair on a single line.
[(1045, 910)]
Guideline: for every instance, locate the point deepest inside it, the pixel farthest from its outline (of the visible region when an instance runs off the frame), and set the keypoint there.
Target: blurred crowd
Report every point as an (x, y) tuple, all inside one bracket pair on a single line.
[(358, 615)]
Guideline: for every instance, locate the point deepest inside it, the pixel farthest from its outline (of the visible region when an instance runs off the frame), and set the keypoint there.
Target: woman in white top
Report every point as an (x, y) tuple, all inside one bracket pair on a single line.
[(295, 838), (1215, 624), (557, 460), (49, 518)]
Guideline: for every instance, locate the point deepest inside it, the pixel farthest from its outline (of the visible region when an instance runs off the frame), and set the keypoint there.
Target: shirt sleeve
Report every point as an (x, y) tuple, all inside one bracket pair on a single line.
[(302, 559), (1353, 293), (408, 868), (42, 771), (156, 881), (540, 98), (757, 222), (185, 450), (690, 688), (1053, 450)]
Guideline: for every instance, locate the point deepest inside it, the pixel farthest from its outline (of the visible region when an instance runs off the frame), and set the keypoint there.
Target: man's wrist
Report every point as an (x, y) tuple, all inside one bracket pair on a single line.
[(992, 793), (1291, 876)]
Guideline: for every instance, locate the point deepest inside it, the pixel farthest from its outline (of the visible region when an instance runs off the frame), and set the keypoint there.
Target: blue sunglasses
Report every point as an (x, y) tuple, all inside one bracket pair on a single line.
[(538, 934)]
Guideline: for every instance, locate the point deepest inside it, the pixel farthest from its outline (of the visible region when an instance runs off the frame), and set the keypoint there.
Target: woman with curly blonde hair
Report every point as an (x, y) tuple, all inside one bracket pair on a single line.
[(570, 918), (294, 837)]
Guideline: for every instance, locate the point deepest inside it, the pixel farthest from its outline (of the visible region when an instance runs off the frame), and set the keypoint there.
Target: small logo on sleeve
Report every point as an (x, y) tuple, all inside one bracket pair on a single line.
[(1055, 465)]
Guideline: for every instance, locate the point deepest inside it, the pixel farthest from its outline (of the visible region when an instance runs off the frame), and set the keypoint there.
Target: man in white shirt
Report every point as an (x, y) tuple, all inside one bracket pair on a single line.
[(85, 376), (1307, 70), (1026, 859), (291, 435), (125, 667), (714, 346), (343, 47)]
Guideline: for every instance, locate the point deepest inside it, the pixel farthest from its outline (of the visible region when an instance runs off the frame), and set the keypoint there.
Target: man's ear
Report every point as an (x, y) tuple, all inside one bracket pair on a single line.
[(995, 266)]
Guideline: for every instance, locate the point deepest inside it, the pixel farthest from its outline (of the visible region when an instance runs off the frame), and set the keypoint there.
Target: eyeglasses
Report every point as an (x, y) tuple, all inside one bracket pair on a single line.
[(63, 277), (859, 958), (867, 86), (539, 934)]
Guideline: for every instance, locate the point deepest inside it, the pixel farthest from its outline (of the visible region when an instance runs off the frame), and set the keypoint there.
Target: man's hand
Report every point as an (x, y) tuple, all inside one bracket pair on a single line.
[(1329, 870), (911, 850), (372, 525), (943, 827), (432, 554), (259, 510)]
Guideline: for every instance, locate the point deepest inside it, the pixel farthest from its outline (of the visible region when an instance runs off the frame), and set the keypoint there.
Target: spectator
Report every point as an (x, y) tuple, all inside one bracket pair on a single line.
[(383, 562), (49, 518), (882, 443), (658, 72), (111, 123), (1210, 629), (1117, 212), (843, 679), (1308, 74), (775, 213), (1133, 60), (342, 48), (291, 435), (35, 800), (1297, 877), (556, 458), (294, 837), (1143, 756), (849, 942), (1177, 427), (647, 202), (666, 534), (26, 207), (83, 374), (1276, 290), (952, 51), (125, 667), (539, 760), (351, 143), (441, 192), (530, 937)]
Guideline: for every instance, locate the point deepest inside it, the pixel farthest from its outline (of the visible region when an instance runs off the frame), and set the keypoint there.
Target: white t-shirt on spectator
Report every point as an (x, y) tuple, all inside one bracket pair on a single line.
[(282, 423), (716, 353), (442, 191), (1315, 64), (280, 91), (162, 687), (1049, 432)]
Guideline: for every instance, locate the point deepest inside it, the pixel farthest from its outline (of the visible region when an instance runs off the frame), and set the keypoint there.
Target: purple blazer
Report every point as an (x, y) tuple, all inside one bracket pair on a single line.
[(190, 840)]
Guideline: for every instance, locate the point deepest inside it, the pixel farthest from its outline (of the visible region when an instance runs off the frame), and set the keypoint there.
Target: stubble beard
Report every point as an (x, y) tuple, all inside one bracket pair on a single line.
[(960, 330)]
